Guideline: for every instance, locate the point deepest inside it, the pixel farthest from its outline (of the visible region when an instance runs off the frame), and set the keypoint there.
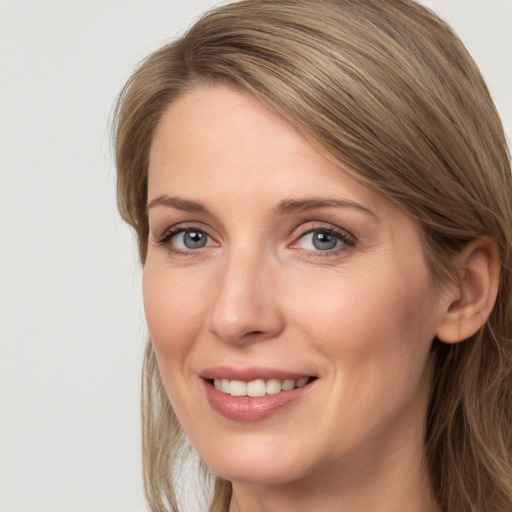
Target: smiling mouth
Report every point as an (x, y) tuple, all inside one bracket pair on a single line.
[(259, 387)]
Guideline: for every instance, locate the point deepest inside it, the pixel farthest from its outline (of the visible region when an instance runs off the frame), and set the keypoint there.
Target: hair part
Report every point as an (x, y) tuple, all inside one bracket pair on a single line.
[(386, 90)]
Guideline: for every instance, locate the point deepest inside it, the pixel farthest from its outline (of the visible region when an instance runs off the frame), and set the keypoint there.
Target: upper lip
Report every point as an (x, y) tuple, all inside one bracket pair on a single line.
[(251, 373)]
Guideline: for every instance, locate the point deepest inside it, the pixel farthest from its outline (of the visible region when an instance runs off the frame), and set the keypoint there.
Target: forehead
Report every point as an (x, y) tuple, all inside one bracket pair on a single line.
[(224, 123), (221, 137)]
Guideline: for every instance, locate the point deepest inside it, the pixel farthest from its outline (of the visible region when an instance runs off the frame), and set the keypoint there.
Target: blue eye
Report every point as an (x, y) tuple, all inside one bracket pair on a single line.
[(185, 240), (190, 239), (323, 240), (319, 241)]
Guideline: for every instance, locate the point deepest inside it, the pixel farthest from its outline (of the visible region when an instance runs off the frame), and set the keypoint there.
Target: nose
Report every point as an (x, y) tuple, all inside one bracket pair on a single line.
[(245, 307)]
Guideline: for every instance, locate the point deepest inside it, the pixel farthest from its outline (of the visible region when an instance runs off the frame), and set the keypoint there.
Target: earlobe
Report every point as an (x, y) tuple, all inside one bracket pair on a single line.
[(469, 304)]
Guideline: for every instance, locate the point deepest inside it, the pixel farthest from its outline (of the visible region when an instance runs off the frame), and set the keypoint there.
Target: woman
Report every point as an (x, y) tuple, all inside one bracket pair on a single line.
[(321, 192)]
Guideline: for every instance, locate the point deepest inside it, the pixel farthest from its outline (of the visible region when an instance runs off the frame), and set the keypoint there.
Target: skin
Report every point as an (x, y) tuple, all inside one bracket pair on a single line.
[(360, 317)]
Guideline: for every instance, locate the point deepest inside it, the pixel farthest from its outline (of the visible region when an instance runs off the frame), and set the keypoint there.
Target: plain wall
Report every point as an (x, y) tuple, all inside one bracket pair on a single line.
[(71, 320)]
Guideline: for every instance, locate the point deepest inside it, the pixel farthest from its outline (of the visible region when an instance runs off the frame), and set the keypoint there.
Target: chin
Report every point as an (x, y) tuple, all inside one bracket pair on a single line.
[(258, 464)]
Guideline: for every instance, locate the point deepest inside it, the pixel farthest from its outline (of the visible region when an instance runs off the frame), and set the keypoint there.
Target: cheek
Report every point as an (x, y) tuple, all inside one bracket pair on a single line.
[(371, 318), (174, 309), (375, 336)]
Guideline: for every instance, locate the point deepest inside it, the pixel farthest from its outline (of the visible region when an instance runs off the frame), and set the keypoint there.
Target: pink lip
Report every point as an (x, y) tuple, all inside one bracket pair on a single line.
[(246, 408)]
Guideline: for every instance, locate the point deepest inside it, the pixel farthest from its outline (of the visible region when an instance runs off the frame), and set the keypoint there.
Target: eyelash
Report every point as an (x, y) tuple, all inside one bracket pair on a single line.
[(346, 239), (176, 230)]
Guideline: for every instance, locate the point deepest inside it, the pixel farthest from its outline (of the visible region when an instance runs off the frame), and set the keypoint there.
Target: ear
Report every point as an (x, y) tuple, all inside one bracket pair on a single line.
[(469, 303)]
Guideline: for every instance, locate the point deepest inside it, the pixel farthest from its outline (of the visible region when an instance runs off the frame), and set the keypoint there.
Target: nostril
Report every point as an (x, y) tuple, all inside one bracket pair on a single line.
[(252, 333)]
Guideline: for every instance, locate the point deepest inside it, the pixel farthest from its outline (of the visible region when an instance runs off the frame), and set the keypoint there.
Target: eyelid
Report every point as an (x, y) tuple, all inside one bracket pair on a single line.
[(171, 229)]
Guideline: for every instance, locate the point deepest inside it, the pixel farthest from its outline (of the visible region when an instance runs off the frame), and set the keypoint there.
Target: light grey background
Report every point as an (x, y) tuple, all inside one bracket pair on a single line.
[(71, 321)]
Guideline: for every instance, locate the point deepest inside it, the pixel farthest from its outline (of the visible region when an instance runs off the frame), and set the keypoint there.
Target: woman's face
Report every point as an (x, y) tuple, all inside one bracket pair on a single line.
[(270, 272)]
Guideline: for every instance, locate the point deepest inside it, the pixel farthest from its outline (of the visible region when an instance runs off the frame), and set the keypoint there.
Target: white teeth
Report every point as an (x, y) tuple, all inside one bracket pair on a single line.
[(288, 385), (273, 386), (238, 388), (224, 385), (300, 383), (258, 387)]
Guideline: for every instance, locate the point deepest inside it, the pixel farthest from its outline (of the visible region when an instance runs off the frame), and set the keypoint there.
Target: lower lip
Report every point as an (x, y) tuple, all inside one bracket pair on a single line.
[(245, 408)]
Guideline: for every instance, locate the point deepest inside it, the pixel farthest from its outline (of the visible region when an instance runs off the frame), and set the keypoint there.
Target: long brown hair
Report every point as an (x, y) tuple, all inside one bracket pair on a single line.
[(384, 88)]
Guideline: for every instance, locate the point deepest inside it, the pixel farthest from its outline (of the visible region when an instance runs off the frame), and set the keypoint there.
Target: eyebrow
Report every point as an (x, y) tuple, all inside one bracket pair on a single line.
[(175, 202), (284, 207), (294, 205)]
